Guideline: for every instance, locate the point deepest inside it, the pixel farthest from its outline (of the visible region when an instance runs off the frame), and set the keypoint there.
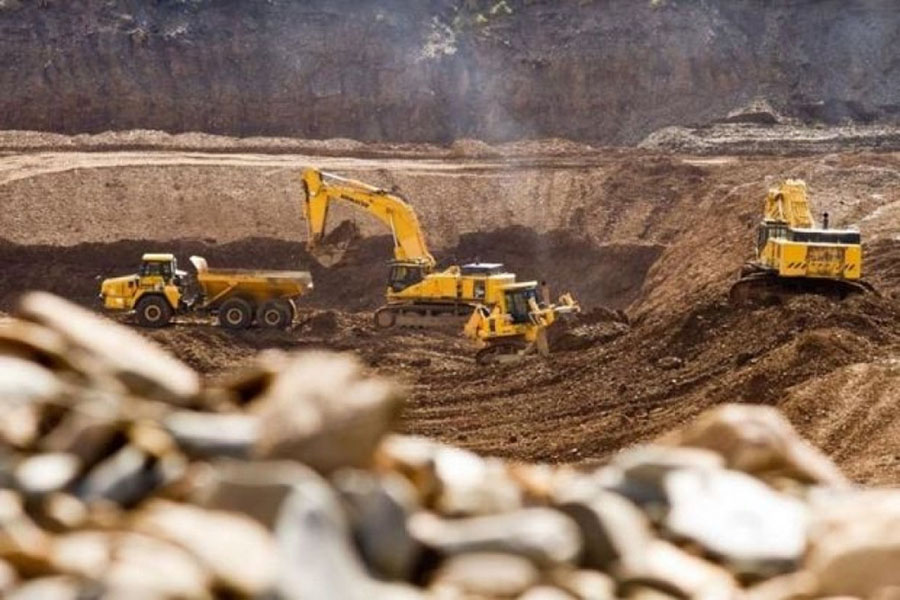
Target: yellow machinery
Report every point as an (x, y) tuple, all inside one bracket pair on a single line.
[(792, 254), (517, 325), (237, 296), (417, 293)]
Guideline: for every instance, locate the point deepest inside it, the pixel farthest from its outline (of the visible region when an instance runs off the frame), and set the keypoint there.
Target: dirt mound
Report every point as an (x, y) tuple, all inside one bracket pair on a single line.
[(584, 404), (759, 133)]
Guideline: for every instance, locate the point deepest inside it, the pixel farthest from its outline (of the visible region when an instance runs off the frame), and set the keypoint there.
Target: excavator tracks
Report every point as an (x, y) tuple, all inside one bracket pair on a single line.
[(422, 316), (761, 287)]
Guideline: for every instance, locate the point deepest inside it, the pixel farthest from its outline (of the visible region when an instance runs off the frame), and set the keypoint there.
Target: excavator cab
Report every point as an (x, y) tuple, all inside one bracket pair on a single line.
[(403, 274)]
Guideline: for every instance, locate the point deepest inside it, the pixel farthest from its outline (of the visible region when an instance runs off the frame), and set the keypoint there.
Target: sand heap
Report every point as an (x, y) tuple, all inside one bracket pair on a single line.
[(126, 475)]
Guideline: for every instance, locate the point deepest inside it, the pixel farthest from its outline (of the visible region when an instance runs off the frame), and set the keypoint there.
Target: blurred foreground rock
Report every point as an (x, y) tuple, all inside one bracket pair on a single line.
[(124, 476)]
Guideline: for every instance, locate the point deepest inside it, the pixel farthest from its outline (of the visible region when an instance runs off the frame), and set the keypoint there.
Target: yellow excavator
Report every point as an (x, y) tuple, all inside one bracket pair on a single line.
[(504, 317), (794, 255), (418, 294)]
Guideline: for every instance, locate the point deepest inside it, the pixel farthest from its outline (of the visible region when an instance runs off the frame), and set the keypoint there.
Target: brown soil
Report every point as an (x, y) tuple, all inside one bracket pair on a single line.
[(658, 235)]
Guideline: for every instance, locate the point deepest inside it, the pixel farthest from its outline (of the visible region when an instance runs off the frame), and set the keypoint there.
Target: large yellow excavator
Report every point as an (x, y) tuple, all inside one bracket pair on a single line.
[(505, 317), (794, 255), (417, 292)]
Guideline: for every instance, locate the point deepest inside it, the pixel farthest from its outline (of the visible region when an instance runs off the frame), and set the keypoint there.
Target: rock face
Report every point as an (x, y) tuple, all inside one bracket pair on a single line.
[(439, 70)]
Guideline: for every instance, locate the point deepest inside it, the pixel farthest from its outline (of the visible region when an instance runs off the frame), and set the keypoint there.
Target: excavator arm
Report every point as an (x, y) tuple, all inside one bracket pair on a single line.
[(788, 204), (389, 208)]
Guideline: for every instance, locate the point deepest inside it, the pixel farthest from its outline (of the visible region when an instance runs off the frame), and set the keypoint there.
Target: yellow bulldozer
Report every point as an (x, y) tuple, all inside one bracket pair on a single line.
[(794, 255), (517, 325), (503, 315)]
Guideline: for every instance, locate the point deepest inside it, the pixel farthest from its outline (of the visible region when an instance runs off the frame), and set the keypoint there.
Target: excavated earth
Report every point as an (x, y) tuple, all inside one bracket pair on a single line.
[(656, 234)]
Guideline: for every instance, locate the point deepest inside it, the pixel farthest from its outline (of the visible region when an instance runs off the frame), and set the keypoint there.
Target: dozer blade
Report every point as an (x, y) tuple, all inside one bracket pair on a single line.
[(498, 353)]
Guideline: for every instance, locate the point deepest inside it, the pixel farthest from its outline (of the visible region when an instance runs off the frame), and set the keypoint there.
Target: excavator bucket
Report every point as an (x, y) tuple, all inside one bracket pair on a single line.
[(335, 245)]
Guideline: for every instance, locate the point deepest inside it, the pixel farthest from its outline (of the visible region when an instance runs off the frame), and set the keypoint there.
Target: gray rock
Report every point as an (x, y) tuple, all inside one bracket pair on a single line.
[(485, 575), (237, 551), (143, 566), (324, 412), (64, 511), (756, 530), (450, 480), (316, 558), (86, 433), (256, 489), (139, 364), (855, 544), (585, 584), (23, 544), (26, 382), (650, 464), (471, 485), (791, 586), (47, 588), (641, 471), (86, 554), (545, 536), (761, 441), (412, 457), (612, 528), (206, 435), (19, 425), (379, 507), (546, 592), (8, 578), (124, 478), (667, 568), (43, 474)]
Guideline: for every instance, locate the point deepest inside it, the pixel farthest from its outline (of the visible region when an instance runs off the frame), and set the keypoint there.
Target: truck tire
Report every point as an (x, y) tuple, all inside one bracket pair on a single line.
[(153, 311), (385, 318), (275, 314), (235, 313)]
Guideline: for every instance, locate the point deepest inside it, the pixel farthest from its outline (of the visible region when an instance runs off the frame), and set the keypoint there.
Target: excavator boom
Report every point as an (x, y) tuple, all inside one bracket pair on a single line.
[(788, 204), (389, 208)]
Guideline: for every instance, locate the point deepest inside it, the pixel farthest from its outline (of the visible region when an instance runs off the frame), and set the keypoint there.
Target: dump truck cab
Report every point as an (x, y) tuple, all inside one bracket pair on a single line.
[(155, 292)]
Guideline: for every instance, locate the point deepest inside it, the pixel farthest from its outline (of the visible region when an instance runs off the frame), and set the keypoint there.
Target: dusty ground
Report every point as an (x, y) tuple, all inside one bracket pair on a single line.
[(660, 235)]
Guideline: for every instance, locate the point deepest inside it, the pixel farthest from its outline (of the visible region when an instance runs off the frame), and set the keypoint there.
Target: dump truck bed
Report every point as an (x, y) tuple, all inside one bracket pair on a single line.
[(260, 285)]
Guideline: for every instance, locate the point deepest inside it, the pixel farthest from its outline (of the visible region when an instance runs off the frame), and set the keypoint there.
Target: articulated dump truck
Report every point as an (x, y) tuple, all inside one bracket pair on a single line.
[(238, 297)]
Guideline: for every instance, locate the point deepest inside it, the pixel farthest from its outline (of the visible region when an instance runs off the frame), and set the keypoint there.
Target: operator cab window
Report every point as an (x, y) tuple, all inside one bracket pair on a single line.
[(402, 277), (517, 305), (161, 269)]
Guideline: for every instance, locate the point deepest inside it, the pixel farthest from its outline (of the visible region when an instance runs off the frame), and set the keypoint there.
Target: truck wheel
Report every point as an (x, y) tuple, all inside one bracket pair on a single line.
[(235, 313), (153, 311), (275, 314), (385, 317)]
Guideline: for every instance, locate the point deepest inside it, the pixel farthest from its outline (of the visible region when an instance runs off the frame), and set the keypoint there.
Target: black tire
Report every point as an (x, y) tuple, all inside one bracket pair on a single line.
[(236, 313), (153, 311), (385, 318), (275, 314)]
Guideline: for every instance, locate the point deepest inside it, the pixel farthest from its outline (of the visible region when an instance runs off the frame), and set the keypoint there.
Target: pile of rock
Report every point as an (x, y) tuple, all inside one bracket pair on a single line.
[(125, 477)]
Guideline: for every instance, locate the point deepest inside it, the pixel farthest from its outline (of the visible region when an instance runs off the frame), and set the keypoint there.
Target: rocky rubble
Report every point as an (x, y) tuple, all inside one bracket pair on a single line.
[(126, 476)]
